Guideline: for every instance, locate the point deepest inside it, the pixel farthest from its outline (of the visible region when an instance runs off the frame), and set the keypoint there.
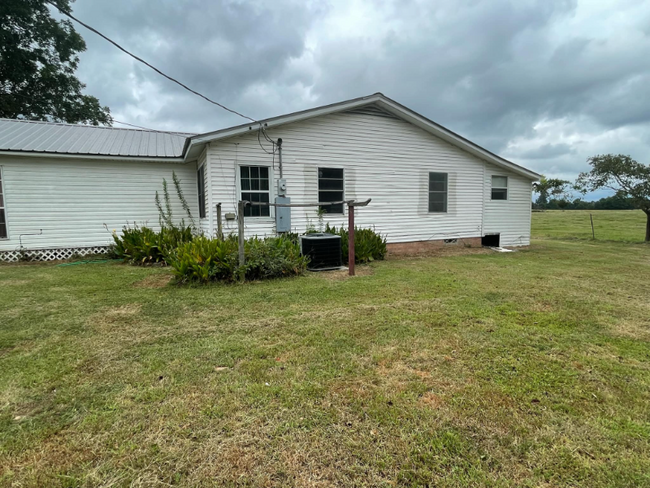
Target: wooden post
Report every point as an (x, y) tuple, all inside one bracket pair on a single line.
[(351, 239), (240, 220), (219, 228), (593, 233)]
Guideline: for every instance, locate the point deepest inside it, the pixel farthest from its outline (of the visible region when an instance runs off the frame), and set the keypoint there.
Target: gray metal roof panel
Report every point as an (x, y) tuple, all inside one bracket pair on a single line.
[(46, 137)]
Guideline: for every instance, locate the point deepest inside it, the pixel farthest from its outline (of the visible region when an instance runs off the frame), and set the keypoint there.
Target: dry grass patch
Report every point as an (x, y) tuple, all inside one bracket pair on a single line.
[(635, 329), (159, 280)]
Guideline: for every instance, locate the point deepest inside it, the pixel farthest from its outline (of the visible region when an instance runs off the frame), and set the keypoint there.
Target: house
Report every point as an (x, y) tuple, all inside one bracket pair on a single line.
[(65, 188)]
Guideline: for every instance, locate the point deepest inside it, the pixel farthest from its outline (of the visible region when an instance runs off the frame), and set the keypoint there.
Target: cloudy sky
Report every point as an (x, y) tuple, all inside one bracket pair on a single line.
[(544, 83)]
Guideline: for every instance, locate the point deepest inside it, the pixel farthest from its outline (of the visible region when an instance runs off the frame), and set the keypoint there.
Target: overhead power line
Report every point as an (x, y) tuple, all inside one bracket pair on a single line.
[(67, 14), (147, 129)]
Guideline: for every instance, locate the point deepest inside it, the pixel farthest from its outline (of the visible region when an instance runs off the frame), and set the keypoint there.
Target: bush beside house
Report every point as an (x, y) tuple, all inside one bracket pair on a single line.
[(199, 259)]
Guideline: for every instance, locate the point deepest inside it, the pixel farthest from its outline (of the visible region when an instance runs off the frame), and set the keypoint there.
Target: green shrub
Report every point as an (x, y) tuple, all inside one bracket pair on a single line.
[(142, 245), (368, 244), (203, 260)]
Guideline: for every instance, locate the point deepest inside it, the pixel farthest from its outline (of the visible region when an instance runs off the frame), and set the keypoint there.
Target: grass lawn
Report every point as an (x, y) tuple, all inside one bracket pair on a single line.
[(482, 369), (609, 225)]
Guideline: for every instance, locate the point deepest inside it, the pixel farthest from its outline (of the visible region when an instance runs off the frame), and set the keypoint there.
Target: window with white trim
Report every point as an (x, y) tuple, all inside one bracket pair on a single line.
[(255, 187), (200, 181), (330, 189), (438, 192), (499, 188), (3, 219)]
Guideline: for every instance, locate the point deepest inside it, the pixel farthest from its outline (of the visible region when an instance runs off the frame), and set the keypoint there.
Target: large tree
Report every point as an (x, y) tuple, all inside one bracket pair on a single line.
[(627, 177), (549, 187), (38, 59)]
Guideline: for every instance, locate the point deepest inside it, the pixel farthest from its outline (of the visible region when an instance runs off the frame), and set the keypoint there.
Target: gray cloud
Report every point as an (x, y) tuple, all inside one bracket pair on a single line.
[(544, 83), (547, 151)]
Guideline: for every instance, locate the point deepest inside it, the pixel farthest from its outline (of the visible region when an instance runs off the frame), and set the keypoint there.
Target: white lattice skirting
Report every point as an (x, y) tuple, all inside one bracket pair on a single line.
[(50, 254)]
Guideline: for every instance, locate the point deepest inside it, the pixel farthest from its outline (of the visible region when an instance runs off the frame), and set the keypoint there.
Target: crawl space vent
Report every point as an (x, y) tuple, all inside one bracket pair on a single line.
[(491, 240)]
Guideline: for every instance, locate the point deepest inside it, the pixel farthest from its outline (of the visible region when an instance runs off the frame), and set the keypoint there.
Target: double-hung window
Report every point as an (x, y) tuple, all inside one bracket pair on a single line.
[(254, 181), (330, 189), (499, 188), (3, 218), (438, 192), (200, 180)]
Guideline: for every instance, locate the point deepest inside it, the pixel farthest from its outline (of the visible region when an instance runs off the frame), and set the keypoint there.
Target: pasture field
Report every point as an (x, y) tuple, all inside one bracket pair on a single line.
[(609, 225)]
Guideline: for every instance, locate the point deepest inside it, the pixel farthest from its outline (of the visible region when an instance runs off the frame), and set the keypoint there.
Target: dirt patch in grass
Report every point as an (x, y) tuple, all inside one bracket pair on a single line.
[(343, 274), (431, 400), (154, 281)]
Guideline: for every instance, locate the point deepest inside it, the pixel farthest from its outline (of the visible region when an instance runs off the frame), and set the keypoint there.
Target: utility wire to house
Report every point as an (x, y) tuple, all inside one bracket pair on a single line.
[(150, 130), (92, 29)]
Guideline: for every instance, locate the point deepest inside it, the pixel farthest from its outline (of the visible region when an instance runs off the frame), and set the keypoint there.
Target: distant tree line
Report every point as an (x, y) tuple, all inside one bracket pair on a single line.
[(614, 202)]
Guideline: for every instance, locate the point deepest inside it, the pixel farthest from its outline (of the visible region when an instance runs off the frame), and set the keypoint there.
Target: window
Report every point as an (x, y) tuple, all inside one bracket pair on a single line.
[(200, 180), (499, 188), (254, 181), (438, 192), (330, 189), (3, 219)]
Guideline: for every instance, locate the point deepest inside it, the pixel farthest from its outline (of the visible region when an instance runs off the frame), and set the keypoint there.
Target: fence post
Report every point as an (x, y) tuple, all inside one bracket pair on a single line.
[(240, 220), (593, 233), (350, 239)]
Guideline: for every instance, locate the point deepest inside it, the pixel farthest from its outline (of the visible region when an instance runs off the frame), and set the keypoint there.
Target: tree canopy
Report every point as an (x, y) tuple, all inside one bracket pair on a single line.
[(549, 187), (38, 60), (627, 177)]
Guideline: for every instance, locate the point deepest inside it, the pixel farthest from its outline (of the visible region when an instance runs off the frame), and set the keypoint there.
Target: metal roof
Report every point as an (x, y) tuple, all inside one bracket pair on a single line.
[(106, 142), (47, 137)]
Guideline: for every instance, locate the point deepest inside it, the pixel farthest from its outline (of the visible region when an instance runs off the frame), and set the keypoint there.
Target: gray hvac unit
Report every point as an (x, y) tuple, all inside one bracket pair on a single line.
[(324, 251)]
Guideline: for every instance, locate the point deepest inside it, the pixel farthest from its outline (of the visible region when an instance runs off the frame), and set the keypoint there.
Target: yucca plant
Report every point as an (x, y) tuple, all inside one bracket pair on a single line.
[(203, 260)]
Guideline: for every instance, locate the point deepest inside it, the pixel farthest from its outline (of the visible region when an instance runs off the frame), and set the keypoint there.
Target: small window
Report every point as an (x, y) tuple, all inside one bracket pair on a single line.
[(499, 188), (200, 179), (3, 219), (330, 189), (254, 181), (438, 192)]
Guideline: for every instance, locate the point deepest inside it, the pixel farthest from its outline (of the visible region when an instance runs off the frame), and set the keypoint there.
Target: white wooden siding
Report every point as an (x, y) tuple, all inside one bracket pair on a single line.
[(386, 159), (510, 218), (72, 199)]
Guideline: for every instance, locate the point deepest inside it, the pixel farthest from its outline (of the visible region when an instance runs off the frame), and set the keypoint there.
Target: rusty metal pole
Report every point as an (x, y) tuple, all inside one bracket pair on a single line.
[(351, 239), (242, 239)]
